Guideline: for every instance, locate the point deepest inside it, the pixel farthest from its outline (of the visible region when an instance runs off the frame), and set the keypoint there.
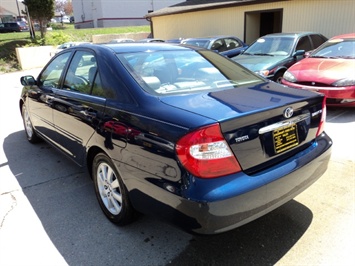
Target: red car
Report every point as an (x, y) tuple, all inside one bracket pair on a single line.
[(330, 69)]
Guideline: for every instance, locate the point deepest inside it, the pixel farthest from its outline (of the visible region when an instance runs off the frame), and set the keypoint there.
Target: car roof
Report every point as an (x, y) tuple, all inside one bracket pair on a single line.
[(344, 36), (210, 37), (290, 34), (137, 47), (150, 40)]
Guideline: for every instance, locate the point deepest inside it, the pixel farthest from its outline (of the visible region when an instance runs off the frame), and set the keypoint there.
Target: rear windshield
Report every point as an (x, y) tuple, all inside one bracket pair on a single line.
[(177, 72)]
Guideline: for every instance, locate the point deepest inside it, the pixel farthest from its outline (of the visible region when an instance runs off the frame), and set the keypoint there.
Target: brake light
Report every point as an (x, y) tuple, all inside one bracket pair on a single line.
[(322, 119), (205, 153)]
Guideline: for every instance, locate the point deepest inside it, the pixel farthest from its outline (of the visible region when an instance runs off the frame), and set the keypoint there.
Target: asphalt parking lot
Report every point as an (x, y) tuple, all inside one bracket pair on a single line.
[(49, 214)]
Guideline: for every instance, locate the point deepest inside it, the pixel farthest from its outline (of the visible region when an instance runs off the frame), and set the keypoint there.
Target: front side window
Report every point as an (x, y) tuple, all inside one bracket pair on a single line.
[(176, 72), (50, 76)]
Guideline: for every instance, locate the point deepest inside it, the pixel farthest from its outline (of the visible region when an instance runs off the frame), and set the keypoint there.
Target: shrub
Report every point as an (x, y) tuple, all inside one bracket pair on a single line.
[(56, 38)]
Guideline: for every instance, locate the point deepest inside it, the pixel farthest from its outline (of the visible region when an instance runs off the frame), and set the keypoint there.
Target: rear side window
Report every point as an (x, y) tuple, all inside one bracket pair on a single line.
[(304, 43), (219, 45), (231, 43), (81, 73), (317, 40), (83, 76)]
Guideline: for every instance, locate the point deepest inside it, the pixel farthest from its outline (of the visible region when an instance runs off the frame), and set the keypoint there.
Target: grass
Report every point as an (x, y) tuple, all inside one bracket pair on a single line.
[(9, 41)]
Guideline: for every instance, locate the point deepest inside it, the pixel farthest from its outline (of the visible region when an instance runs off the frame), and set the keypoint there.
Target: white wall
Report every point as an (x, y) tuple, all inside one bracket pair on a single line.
[(9, 7), (329, 17), (113, 13)]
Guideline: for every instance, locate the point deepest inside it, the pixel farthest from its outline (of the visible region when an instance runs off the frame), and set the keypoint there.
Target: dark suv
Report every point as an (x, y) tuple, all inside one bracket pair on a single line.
[(271, 55), (11, 27)]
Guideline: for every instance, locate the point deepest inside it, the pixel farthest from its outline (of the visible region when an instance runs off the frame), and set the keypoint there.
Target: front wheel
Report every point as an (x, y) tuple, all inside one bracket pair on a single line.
[(30, 132), (278, 77), (111, 192)]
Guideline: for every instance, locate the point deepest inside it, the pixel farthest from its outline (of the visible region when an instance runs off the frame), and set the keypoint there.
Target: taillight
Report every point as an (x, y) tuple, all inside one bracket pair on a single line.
[(322, 119), (205, 153)]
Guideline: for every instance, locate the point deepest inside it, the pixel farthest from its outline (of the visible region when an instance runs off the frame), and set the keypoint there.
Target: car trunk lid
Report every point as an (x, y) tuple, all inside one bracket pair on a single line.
[(262, 125)]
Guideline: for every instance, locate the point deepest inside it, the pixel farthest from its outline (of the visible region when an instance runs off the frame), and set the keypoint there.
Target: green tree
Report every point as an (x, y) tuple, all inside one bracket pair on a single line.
[(42, 11)]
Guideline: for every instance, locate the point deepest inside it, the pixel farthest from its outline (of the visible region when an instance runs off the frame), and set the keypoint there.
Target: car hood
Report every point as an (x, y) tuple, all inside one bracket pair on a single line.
[(256, 62), (227, 104), (324, 70)]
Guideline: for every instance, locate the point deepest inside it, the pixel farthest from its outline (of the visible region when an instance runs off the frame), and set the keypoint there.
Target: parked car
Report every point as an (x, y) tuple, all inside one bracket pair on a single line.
[(225, 45), (177, 40), (36, 26), (65, 45), (330, 70), (151, 40), (209, 150), (64, 19), (23, 25), (121, 40), (271, 55), (7, 27)]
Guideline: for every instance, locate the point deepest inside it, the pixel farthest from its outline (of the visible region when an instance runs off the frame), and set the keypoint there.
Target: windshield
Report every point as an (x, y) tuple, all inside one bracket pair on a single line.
[(177, 72), (336, 48), (271, 46)]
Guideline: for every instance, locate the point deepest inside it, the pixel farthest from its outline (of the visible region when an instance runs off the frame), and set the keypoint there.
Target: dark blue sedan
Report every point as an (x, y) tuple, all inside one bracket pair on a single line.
[(228, 46), (182, 133)]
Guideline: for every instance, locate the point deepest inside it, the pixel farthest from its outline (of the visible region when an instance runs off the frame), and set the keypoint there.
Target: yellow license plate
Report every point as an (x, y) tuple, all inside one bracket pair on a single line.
[(285, 138)]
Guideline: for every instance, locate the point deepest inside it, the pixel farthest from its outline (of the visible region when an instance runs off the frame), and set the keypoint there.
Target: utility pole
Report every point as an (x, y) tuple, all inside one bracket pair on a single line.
[(18, 10)]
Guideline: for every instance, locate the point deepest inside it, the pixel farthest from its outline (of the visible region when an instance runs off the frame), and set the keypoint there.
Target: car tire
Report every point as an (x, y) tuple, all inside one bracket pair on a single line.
[(31, 134), (111, 191), (278, 77)]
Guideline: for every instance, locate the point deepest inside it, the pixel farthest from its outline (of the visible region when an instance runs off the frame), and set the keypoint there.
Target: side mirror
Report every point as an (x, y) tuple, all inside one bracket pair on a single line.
[(28, 81), (299, 53), (308, 54)]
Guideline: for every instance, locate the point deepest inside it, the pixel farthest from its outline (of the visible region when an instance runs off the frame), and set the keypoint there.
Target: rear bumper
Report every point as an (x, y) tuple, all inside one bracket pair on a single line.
[(211, 206)]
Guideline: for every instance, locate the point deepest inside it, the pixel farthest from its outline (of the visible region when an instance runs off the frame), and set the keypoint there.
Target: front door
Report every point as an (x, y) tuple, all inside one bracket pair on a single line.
[(78, 106), (40, 96)]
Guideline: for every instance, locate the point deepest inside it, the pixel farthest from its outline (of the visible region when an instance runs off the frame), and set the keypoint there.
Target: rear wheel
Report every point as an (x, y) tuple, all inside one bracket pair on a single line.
[(111, 192), (30, 132)]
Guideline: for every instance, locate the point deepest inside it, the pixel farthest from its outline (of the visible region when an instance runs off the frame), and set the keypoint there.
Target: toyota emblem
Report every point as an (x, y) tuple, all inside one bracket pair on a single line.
[(288, 112)]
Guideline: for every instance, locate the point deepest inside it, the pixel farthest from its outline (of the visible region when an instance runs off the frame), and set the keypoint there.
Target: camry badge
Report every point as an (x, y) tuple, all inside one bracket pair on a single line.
[(288, 112)]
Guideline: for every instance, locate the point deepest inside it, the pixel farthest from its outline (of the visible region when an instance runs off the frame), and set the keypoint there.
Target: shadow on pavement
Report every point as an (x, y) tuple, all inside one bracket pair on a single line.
[(63, 198), (340, 115), (261, 242)]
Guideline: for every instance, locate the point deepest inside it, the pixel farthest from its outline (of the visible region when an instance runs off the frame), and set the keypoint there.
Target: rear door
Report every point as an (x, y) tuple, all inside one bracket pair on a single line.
[(317, 40), (304, 43), (234, 47), (79, 105)]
